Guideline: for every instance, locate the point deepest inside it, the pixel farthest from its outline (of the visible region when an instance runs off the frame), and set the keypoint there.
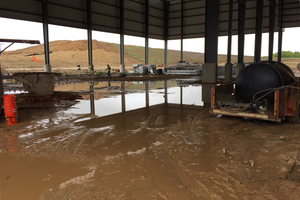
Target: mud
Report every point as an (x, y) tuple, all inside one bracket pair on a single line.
[(167, 150)]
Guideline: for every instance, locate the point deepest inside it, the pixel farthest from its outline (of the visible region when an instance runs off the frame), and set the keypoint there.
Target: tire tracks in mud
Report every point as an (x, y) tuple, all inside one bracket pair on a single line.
[(164, 153), (213, 184), (66, 151)]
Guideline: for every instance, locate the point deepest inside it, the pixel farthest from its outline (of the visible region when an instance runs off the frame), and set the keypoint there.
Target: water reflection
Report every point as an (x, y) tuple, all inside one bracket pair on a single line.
[(119, 99), (92, 99), (145, 131), (12, 142)]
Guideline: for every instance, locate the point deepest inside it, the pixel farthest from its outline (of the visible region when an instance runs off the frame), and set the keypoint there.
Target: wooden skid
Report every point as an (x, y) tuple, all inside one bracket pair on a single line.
[(246, 114)]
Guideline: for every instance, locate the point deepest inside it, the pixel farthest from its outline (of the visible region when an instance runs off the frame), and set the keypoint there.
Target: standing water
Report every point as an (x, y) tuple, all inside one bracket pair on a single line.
[(122, 140)]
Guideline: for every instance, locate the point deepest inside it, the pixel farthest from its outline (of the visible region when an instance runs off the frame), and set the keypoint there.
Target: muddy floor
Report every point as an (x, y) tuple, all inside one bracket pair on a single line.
[(164, 151)]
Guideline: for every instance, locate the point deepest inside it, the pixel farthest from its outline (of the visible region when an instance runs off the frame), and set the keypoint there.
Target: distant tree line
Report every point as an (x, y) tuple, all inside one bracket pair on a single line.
[(288, 54)]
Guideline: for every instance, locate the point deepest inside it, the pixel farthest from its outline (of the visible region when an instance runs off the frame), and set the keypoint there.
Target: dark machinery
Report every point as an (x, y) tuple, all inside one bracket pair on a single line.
[(264, 90)]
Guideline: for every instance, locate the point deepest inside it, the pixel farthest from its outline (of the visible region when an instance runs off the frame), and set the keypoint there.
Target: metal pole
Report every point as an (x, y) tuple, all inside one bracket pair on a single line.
[(258, 30), (146, 31), (89, 33), (241, 31), (166, 31), (45, 31), (181, 32), (229, 31), (166, 53), (121, 12), (271, 30), (280, 31)]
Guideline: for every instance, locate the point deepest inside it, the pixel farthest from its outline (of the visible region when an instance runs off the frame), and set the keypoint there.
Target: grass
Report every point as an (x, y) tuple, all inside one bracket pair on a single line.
[(156, 56)]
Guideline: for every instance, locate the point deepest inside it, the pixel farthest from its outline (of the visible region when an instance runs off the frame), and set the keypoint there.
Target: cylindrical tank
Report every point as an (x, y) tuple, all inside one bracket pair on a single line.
[(261, 76)]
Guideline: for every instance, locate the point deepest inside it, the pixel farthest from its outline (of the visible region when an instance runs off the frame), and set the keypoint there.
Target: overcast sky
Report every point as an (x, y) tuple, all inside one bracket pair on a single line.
[(17, 29)]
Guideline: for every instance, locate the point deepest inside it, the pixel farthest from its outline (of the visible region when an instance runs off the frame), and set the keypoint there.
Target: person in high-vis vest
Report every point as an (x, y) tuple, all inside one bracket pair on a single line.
[(108, 71)]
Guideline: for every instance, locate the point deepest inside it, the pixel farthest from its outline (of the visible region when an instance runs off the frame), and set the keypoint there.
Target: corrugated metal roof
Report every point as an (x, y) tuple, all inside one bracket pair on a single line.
[(105, 15)]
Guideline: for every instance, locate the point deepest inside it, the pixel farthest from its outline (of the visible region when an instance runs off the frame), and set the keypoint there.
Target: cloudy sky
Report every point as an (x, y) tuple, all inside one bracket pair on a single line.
[(17, 29)]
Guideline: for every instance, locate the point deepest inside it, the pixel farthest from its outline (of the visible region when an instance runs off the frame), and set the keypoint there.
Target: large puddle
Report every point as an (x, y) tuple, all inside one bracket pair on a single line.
[(122, 140), (106, 98)]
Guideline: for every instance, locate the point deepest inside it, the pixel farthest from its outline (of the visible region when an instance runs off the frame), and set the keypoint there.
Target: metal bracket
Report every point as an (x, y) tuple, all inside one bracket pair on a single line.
[(7, 47)]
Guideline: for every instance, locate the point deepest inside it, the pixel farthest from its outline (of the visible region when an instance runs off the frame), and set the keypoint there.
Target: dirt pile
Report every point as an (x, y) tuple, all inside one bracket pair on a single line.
[(66, 55), (64, 45)]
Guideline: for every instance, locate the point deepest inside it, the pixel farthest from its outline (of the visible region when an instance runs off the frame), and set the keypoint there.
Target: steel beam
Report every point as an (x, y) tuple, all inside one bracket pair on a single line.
[(6, 48), (280, 30), (181, 32), (241, 30), (166, 30), (146, 31), (211, 31), (45, 31), (271, 29), (229, 31), (258, 30), (89, 30)]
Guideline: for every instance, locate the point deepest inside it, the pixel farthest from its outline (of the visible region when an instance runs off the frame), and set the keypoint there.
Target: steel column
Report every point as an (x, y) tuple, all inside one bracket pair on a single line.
[(181, 32), (121, 13), (271, 29), (280, 30), (166, 53), (166, 30), (229, 31), (45, 30), (211, 31), (241, 31), (146, 31), (258, 30), (89, 30)]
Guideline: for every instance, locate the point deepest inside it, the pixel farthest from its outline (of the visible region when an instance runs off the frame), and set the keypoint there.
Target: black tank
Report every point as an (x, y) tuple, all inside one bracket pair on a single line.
[(261, 76)]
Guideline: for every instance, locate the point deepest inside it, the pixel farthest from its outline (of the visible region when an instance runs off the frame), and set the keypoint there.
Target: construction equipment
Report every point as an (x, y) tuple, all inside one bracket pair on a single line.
[(144, 69), (184, 68), (264, 90)]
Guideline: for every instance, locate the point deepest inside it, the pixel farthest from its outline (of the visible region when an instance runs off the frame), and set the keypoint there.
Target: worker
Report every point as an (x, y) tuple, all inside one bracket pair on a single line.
[(108, 71)]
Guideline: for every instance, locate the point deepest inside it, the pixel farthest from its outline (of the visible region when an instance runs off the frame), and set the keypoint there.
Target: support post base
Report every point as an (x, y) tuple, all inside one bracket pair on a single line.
[(47, 68), (209, 73), (239, 67), (228, 72), (91, 68), (122, 68)]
